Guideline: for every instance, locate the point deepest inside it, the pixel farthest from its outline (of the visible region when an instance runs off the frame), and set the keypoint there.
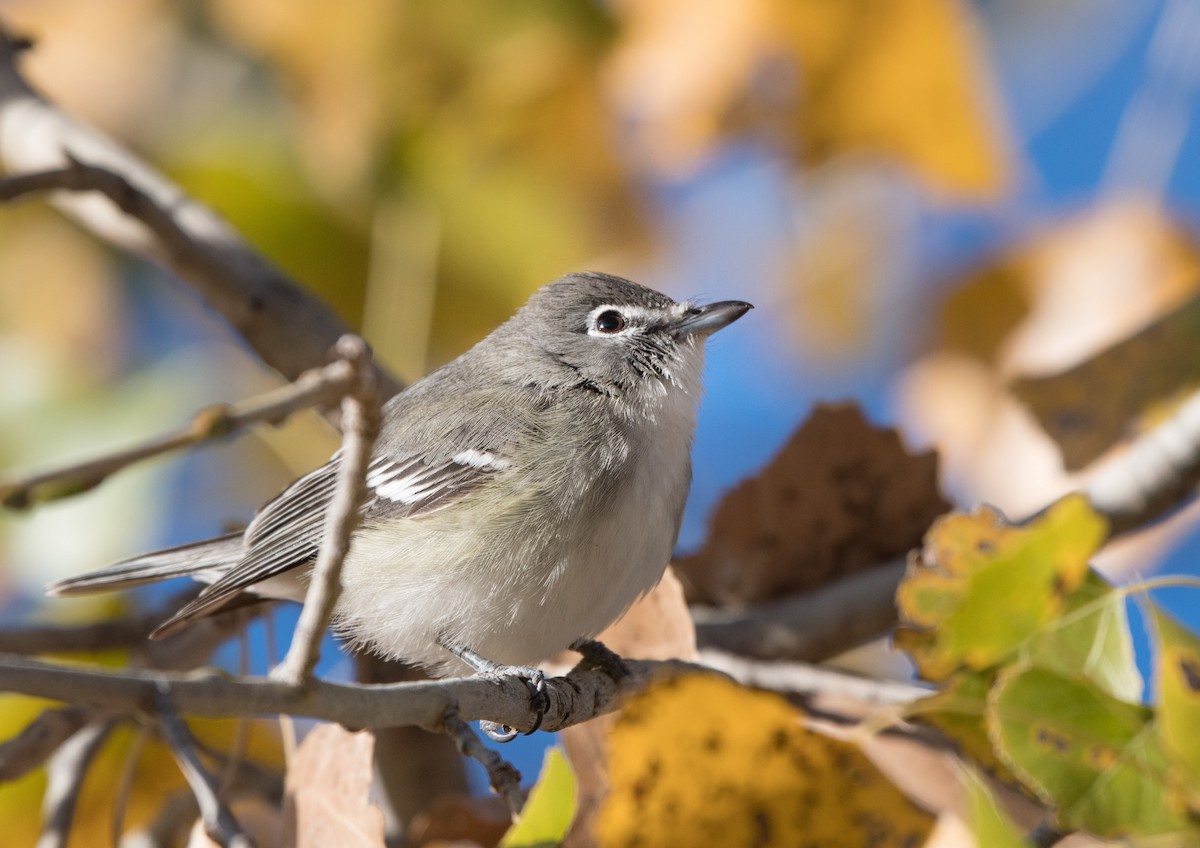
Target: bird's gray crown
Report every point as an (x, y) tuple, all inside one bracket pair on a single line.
[(575, 296)]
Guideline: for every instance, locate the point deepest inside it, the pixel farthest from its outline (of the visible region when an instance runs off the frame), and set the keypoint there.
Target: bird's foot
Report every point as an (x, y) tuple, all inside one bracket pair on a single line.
[(601, 657), (533, 678)]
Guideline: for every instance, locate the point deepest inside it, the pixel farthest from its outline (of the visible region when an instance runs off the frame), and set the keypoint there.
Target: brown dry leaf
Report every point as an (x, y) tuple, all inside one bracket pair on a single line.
[(457, 820), (327, 799), (841, 497), (901, 79)]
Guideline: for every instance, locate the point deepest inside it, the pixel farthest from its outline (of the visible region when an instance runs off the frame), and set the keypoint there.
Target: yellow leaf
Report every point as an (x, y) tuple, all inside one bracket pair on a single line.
[(903, 79), (702, 761), (550, 810)]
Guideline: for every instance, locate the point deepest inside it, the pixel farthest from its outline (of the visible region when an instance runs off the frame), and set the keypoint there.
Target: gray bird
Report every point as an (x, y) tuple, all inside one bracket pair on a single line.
[(519, 499)]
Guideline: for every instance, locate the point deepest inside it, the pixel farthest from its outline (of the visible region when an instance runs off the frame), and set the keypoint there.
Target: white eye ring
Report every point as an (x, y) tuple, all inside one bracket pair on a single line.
[(609, 322)]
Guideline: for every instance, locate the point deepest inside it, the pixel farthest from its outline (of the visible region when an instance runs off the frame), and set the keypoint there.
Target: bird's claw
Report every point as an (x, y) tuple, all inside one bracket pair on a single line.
[(534, 680)]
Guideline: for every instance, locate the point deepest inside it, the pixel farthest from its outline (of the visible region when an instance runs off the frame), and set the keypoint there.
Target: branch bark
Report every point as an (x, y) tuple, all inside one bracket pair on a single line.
[(317, 386), (581, 695), (360, 423)]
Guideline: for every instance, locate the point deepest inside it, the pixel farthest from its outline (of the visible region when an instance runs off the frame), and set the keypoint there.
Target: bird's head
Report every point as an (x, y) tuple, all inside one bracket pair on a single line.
[(615, 337)]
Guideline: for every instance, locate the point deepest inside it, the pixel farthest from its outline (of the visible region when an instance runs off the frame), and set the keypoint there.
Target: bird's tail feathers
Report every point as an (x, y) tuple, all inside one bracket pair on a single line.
[(215, 555)]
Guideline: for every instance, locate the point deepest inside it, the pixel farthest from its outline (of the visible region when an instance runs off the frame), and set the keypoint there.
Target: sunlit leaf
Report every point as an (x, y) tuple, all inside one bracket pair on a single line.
[(958, 709), (1091, 639), (1098, 760), (983, 587), (702, 761), (990, 825), (1177, 684), (550, 808)]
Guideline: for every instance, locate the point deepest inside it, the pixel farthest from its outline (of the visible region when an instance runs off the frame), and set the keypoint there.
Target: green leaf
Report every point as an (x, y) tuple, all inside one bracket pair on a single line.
[(1177, 684), (550, 810), (1092, 639), (958, 710), (1095, 758), (990, 824), (982, 588)]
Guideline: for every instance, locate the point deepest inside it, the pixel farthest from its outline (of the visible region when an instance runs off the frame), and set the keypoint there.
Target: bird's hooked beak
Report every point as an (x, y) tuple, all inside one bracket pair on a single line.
[(706, 320)]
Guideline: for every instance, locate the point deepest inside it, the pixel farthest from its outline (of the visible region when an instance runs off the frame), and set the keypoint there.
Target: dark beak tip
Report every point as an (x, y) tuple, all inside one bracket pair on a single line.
[(714, 316)]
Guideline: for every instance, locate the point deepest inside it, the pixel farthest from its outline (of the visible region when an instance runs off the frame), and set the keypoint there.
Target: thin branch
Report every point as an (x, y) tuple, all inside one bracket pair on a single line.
[(360, 422), (65, 774), (803, 679), (124, 201), (581, 695), (809, 627), (40, 739), (318, 386), (98, 636), (219, 823), (502, 775), (43, 736), (124, 789)]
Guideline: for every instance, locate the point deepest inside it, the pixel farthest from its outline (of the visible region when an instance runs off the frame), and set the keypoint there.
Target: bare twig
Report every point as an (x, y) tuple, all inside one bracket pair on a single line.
[(502, 775), (66, 772), (40, 739), (125, 784), (581, 695), (219, 823), (320, 385), (53, 727), (810, 627), (803, 679), (360, 422), (175, 816), (122, 200)]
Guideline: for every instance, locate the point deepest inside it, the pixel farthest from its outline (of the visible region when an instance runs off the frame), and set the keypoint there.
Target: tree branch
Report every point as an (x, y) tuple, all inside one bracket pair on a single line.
[(318, 386), (360, 422), (808, 627), (503, 777), (810, 680), (40, 739), (123, 201), (1157, 474), (219, 822), (66, 772), (581, 695)]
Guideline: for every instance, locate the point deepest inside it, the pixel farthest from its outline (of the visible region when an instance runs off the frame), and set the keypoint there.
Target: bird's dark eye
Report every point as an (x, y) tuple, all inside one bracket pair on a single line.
[(610, 321)]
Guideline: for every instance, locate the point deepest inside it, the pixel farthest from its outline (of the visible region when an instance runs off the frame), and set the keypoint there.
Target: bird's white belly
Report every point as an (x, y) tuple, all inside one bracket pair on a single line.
[(516, 595)]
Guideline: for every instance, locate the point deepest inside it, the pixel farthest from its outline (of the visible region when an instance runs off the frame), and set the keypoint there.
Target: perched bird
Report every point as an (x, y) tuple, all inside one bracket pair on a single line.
[(519, 498)]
